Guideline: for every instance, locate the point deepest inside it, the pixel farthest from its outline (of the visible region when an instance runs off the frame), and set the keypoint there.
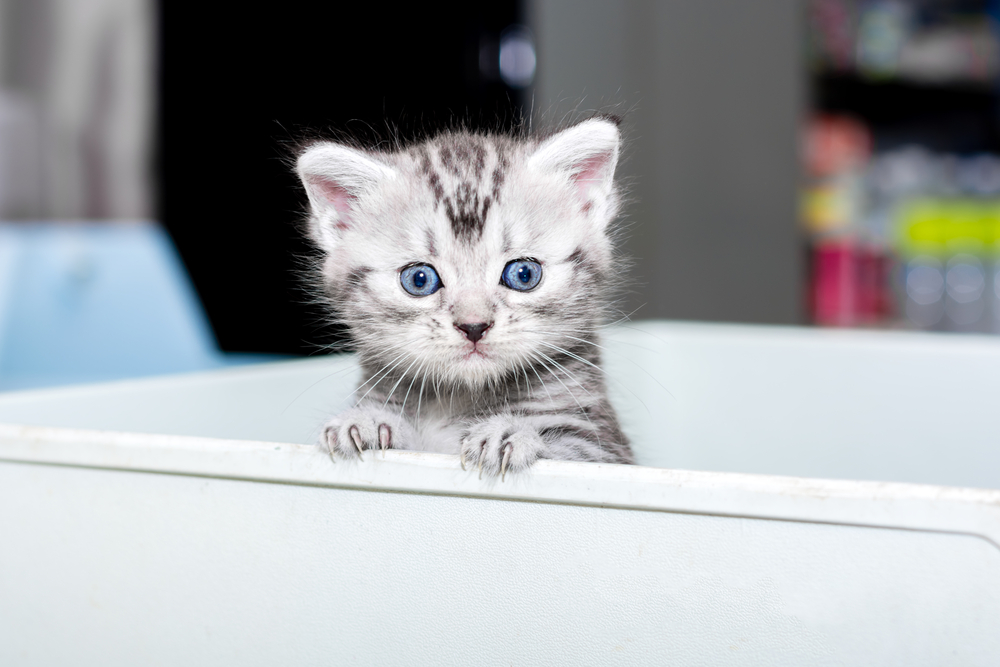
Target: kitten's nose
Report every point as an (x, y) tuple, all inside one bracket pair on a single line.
[(474, 331)]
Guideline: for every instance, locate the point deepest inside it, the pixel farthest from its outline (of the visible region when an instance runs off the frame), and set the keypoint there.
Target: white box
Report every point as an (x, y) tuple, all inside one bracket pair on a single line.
[(182, 520)]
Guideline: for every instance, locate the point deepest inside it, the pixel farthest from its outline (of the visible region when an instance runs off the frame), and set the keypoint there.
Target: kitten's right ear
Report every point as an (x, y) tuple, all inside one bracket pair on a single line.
[(335, 177)]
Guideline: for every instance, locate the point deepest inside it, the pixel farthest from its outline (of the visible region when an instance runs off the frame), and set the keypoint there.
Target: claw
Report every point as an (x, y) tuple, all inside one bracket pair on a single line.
[(356, 438), (503, 464), (384, 438), (482, 455), (330, 436), (461, 459)]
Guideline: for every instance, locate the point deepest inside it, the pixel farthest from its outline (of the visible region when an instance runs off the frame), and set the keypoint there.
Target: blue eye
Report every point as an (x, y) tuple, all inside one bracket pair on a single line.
[(521, 274), (420, 280)]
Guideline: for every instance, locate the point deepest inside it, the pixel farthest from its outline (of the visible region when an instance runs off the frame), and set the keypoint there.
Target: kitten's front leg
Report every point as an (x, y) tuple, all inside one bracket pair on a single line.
[(500, 444), (368, 426)]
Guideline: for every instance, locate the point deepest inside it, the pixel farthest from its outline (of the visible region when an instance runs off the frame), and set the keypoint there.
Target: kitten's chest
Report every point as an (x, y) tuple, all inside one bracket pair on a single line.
[(440, 424)]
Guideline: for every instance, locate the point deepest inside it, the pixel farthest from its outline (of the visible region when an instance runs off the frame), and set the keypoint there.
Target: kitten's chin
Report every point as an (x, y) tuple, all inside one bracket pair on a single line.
[(478, 369)]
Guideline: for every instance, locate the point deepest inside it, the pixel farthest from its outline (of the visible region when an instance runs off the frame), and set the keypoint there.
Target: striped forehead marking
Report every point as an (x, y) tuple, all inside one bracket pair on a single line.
[(459, 184)]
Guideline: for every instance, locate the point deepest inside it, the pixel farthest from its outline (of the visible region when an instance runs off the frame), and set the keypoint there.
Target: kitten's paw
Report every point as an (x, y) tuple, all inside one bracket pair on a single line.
[(499, 445), (351, 433)]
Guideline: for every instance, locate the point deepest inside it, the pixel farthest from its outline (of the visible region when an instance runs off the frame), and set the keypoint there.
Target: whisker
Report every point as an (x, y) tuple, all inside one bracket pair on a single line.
[(402, 377), (627, 317), (597, 432), (420, 396), (622, 326), (608, 375), (568, 374), (379, 380), (527, 380), (589, 342), (403, 407), (535, 371), (572, 377), (322, 379), (372, 377), (391, 348)]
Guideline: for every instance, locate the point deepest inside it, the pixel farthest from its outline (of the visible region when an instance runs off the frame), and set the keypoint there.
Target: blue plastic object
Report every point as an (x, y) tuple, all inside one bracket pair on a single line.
[(87, 302)]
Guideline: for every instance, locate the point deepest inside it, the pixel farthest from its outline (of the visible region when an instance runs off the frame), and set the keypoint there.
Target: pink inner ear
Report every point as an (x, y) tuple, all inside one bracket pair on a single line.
[(336, 196), (590, 173)]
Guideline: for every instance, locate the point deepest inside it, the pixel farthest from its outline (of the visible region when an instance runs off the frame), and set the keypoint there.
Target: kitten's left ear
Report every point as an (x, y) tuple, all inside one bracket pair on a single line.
[(335, 178), (588, 154)]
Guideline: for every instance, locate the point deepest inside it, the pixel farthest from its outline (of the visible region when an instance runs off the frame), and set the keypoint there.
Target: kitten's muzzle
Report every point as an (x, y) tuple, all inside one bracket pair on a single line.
[(474, 331)]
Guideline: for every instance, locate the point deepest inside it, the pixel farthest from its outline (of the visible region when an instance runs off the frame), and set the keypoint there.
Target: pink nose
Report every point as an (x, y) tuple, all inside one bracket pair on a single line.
[(474, 331)]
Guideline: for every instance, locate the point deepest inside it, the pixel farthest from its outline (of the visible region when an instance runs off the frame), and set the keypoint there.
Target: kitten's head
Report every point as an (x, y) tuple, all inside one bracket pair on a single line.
[(467, 257)]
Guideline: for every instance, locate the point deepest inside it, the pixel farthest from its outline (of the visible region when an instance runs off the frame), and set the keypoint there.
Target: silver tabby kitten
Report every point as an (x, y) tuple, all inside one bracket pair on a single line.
[(473, 272)]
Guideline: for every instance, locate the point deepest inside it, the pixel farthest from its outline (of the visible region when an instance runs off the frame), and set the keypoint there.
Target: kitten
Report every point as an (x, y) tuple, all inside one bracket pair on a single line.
[(472, 272)]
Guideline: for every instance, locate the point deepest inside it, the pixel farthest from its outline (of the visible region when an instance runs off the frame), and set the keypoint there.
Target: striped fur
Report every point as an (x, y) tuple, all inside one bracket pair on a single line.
[(467, 204)]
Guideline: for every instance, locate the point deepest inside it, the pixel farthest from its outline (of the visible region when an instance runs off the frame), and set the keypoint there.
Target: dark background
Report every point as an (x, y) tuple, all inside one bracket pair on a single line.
[(957, 118), (238, 89)]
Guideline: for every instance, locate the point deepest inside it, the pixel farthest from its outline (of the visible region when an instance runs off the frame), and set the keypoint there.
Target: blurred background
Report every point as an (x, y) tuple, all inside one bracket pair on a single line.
[(826, 162)]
